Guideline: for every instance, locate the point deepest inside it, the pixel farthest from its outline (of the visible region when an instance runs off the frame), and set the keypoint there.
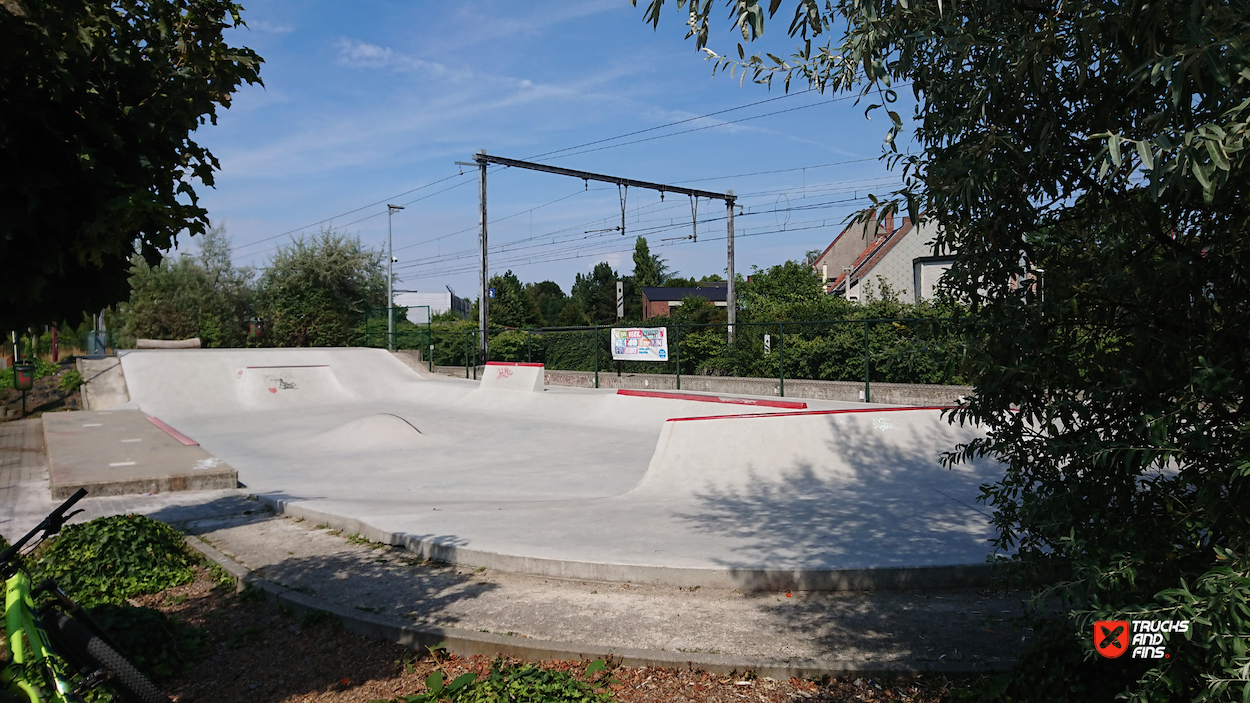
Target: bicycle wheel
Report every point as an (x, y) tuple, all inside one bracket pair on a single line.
[(86, 649)]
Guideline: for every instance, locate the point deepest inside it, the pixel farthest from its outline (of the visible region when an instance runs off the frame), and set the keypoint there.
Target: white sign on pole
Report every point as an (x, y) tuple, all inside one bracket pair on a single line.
[(639, 344)]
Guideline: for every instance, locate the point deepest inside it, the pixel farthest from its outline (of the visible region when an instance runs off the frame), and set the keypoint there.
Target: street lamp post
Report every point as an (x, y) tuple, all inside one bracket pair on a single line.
[(390, 279)]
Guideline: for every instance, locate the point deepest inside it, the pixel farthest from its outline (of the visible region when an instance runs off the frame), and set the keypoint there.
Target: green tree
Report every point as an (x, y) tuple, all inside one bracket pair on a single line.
[(511, 307), (571, 315), (1087, 163), (549, 298), (768, 293), (98, 102), (649, 269), (596, 294), (316, 291), (200, 295)]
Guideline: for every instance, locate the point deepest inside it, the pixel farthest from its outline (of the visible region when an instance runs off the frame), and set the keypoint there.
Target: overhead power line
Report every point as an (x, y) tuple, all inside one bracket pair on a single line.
[(670, 124), (560, 152)]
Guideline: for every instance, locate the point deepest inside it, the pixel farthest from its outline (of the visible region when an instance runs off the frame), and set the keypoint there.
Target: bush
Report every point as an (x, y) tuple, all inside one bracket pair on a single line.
[(316, 291), (42, 370), (71, 381), (158, 645), (514, 683), (108, 560)]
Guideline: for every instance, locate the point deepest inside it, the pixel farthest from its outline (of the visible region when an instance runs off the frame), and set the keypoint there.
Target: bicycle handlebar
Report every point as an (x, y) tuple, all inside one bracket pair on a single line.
[(50, 525)]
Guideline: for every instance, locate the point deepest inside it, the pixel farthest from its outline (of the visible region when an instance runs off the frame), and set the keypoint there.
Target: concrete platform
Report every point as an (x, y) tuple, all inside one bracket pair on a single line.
[(120, 452), (387, 593), (580, 483)]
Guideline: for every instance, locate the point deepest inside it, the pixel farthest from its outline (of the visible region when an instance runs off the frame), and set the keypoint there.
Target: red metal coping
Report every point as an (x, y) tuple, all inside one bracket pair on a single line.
[(809, 412), (510, 363), (790, 404), (174, 433)]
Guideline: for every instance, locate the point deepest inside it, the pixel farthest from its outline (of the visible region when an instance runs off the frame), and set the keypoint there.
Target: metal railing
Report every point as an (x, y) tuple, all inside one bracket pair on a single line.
[(890, 350), (404, 334)]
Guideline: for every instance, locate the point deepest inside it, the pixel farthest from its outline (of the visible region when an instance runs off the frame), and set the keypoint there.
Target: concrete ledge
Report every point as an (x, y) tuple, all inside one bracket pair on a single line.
[(935, 577), (201, 481), (469, 643), (122, 452)]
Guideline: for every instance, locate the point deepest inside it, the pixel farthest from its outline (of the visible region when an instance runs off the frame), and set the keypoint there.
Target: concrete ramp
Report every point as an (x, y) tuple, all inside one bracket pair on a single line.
[(286, 386), (194, 382), (837, 448), (512, 376)]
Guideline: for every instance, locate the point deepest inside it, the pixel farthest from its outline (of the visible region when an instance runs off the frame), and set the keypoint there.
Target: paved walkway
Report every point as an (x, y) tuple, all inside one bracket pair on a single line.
[(389, 592)]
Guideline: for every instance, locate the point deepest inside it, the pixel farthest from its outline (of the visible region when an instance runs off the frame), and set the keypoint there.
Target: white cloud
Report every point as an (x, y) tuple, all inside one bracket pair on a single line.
[(358, 54), (270, 27)]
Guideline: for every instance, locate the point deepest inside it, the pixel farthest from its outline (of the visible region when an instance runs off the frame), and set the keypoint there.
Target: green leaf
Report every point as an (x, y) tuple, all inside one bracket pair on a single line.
[(595, 667), (1113, 146), (1215, 149), (1143, 153), (434, 682), (460, 682)]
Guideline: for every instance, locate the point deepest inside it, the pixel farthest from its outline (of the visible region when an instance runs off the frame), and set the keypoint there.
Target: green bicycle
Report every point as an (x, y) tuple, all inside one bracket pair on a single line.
[(57, 652)]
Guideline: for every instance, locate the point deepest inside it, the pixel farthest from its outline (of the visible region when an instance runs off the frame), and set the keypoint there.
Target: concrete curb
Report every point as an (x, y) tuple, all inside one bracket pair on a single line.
[(923, 577), (469, 643)]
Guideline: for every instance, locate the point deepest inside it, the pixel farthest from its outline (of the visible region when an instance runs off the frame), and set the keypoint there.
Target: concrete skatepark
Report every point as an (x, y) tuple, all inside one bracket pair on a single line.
[(580, 483)]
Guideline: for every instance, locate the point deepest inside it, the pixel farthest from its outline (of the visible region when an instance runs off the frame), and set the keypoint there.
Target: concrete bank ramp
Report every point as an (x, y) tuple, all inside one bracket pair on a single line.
[(839, 449), (217, 381)]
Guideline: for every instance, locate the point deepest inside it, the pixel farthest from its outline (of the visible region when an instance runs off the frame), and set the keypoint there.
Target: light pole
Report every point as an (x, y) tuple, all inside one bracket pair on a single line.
[(390, 278)]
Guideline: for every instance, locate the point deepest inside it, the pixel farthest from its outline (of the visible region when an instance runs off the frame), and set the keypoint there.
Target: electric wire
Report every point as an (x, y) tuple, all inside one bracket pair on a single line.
[(538, 156)]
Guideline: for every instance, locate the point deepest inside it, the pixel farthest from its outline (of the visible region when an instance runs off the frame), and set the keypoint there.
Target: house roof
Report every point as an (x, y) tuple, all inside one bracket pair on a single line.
[(712, 293), (873, 255)]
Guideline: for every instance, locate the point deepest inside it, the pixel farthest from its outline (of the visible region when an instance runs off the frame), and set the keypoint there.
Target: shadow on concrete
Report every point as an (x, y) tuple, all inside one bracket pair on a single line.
[(387, 581), (896, 507), (895, 510), (190, 517)]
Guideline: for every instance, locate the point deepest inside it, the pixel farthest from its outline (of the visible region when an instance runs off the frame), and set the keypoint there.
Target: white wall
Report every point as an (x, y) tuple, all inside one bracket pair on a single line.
[(438, 302), (899, 269)]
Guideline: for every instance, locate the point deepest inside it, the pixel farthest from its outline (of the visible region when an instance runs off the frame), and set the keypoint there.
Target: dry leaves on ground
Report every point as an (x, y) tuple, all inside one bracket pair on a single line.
[(259, 652)]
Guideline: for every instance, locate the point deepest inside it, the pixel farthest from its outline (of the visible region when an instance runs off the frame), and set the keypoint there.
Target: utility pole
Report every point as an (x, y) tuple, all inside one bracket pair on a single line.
[(390, 278), (483, 304), (731, 301)]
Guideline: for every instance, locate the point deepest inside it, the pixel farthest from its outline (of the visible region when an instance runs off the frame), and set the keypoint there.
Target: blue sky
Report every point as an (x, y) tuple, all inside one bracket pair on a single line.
[(372, 102)]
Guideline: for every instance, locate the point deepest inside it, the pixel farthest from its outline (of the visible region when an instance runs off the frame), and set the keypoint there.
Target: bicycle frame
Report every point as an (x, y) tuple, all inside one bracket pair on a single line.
[(26, 634)]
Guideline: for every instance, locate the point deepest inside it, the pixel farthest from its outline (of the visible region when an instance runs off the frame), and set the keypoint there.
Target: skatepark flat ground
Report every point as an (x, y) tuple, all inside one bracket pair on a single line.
[(719, 629), (578, 483)]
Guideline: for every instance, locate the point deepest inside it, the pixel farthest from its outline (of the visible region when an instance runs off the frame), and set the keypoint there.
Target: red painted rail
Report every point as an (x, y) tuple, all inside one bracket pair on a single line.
[(809, 412), (764, 403), (510, 363), (174, 433)]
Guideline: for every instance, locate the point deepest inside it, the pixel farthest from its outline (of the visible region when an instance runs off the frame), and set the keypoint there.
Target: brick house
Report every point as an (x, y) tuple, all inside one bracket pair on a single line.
[(657, 301)]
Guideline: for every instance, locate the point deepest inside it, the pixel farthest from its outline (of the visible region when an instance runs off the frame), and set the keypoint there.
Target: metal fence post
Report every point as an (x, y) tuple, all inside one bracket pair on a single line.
[(781, 357), (677, 352), (596, 357), (867, 387), (466, 355)]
